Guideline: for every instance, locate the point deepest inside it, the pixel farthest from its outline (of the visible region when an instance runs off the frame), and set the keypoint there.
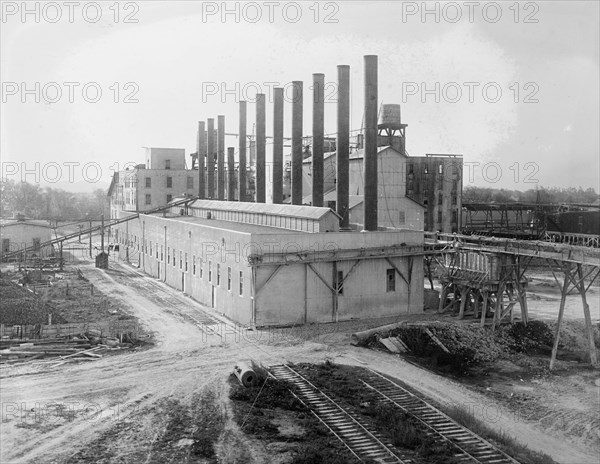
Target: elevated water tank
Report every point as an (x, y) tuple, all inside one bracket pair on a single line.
[(390, 116)]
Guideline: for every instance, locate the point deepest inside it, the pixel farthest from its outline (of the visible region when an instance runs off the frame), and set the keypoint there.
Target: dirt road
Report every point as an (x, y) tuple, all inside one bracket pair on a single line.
[(49, 414)]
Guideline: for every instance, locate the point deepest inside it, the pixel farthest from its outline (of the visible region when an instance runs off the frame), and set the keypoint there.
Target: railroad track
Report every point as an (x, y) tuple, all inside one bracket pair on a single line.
[(363, 443), (469, 446)]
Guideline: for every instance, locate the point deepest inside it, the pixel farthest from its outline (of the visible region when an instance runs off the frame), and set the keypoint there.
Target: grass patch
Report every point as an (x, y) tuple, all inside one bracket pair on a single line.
[(499, 438), (261, 410)]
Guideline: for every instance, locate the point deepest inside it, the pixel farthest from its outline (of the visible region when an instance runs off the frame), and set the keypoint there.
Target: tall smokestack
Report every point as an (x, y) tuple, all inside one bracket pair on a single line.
[(230, 174), (221, 158), (201, 150), (343, 146), (318, 135), (242, 164), (260, 148), (370, 155), (278, 145), (210, 159), (297, 143)]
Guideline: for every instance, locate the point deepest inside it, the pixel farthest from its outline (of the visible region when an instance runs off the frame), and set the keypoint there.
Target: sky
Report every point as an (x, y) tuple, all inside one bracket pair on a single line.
[(513, 87)]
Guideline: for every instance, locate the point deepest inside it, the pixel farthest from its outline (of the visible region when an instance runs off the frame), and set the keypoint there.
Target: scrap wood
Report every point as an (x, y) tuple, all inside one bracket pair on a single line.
[(360, 338), (80, 352), (436, 340), (393, 344)]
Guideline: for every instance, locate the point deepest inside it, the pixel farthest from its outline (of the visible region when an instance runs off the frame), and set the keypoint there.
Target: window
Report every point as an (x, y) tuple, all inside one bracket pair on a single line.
[(411, 168), (439, 215), (150, 247), (200, 263), (148, 182), (174, 256), (168, 254), (339, 282), (229, 278), (401, 217), (169, 197), (169, 182), (241, 283), (190, 182), (440, 199), (454, 198), (168, 164), (180, 259), (148, 199), (210, 271), (440, 169), (454, 216), (186, 263), (162, 255), (218, 274), (193, 265), (390, 280), (36, 244)]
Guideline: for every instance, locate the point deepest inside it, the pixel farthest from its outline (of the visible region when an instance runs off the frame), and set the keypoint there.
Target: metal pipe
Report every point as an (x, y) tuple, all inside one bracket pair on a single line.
[(260, 148), (220, 157), (343, 146), (370, 154), (230, 174), (318, 138), (297, 143), (278, 145), (201, 150), (210, 159), (242, 153)]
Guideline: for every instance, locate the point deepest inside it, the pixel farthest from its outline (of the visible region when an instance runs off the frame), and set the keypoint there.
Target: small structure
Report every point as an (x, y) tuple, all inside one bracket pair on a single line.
[(102, 260), (21, 233), (475, 281)]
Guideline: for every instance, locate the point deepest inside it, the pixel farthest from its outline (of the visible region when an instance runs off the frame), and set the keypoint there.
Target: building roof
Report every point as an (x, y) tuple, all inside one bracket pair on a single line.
[(296, 211), (230, 225)]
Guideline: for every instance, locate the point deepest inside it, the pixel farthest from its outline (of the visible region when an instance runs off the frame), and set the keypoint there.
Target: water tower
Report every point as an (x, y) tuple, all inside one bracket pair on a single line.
[(390, 130)]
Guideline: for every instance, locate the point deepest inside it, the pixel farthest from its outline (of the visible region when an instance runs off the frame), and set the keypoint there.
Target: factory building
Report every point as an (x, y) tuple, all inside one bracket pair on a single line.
[(20, 233), (355, 252), (147, 186), (435, 181), (277, 265)]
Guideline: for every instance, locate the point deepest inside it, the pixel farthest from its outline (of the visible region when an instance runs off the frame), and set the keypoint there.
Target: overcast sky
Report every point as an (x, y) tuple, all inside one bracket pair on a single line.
[(182, 62)]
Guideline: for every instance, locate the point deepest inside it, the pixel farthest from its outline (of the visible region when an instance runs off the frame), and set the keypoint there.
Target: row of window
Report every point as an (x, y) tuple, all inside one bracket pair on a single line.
[(155, 250), (189, 182), (149, 198), (198, 269), (285, 222)]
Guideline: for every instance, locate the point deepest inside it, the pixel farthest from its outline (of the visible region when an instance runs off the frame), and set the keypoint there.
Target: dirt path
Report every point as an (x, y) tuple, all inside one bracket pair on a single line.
[(104, 394)]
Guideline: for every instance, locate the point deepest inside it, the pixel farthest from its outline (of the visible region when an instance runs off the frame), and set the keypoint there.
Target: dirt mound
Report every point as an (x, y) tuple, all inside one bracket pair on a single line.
[(22, 307)]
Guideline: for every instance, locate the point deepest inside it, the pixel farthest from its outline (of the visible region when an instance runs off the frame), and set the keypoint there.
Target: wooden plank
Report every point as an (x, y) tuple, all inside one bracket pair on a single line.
[(436, 340), (586, 313), (561, 312)]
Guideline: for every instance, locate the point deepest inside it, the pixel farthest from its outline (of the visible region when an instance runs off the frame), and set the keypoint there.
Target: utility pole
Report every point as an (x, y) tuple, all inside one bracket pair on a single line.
[(90, 238), (102, 233)]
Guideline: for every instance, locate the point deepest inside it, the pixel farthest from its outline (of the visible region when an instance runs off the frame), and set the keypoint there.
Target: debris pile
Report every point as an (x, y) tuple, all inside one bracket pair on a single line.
[(82, 347)]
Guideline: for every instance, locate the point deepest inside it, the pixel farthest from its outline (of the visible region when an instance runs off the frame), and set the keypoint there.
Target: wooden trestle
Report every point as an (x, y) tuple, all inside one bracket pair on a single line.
[(486, 278)]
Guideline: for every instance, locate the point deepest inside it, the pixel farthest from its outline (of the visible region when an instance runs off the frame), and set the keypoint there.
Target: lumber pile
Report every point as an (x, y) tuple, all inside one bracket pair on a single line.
[(57, 351)]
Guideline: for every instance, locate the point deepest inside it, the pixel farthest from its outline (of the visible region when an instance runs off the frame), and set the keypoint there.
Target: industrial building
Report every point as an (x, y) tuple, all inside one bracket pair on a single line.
[(21, 233), (356, 252), (264, 264), (147, 186)]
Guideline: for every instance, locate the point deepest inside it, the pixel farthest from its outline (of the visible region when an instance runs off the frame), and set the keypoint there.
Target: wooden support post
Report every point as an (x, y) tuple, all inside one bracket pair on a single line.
[(498, 308), (484, 307), (464, 295), (476, 295), (561, 311), (443, 298), (586, 313)]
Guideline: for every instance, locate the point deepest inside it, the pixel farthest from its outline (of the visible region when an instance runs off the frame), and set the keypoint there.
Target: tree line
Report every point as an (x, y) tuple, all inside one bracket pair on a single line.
[(53, 204), (542, 195)]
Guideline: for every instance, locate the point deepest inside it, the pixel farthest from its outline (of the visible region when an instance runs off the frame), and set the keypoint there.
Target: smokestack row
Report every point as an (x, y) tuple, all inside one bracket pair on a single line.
[(206, 147)]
